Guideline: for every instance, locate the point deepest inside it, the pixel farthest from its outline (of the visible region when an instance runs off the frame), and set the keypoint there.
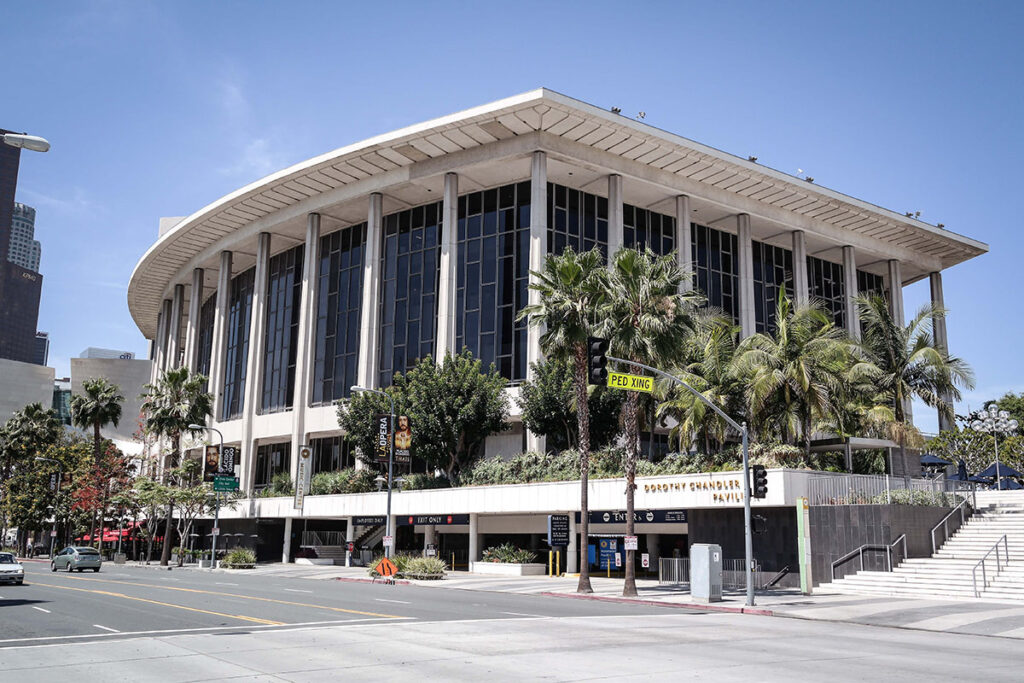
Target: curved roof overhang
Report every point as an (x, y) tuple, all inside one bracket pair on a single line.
[(566, 128)]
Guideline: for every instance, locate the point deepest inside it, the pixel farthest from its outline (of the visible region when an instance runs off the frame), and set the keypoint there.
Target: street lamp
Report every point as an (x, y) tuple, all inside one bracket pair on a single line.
[(216, 496), (995, 422), (60, 475), (24, 141), (391, 463)]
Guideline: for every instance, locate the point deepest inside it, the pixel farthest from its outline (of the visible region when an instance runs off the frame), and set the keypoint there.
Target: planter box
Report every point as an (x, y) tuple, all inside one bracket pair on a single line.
[(506, 569), (315, 560)]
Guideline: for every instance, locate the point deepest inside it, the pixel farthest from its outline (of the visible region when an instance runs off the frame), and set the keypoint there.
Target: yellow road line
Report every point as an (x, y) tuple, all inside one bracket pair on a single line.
[(244, 597), (164, 604)]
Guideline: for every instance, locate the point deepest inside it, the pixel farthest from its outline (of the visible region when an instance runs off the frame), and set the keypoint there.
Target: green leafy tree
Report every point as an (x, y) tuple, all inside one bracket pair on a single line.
[(1013, 404), (153, 498), (453, 407), (647, 319), (177, 399), (23, 437), (190, 497), (572, 289), (548, 403), (795, 375)]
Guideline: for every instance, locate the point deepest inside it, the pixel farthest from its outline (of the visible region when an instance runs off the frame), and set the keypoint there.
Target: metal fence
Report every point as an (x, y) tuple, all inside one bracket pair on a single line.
[(676, 571), (314, 539), (878, 489)]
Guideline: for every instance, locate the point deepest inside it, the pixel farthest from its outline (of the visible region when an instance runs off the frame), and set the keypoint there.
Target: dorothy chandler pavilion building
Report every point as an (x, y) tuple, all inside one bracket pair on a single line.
[(349, 267)]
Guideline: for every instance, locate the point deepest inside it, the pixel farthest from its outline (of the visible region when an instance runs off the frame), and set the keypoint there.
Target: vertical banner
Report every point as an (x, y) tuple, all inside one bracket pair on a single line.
[(302, 477), (211, 463), (228, 459), (403, 440), (383, 443)]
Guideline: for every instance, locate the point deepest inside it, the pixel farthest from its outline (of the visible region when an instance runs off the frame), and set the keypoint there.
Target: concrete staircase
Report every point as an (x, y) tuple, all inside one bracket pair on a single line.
[(948, 573)]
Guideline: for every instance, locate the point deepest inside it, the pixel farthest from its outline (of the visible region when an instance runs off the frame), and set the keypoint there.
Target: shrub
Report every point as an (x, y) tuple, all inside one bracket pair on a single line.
[(349, 480), (237, 557), (418, 482), (509, 554), (425, 568), (912, 497)]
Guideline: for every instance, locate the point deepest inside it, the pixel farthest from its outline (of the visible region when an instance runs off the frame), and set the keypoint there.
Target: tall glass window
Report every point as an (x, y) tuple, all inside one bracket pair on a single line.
[(643, 228), (869, 283), (339, 305), (237, 348), (205, 350), (714, 259), (271, 459), (826, 283), (332, 454), (409, 302), (576, 219), (773, 273), (493, 277), (284, 297)]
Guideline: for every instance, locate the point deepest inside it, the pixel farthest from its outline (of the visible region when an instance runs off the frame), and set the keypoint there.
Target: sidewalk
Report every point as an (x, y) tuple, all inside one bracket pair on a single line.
[(962, 616)]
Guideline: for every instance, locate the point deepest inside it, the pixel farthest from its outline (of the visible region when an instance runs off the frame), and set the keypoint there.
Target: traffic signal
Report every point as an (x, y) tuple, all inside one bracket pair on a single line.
[(597, 362), (759, 489), (759, 524)]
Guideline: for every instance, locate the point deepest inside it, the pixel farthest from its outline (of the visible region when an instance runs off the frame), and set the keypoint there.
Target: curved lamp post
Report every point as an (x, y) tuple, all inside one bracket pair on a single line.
[(24, 141), (60, 475), (391, 463), (995, 422)]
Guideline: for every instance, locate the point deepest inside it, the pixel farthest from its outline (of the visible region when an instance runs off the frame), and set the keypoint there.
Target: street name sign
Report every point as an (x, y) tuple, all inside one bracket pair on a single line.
[(222, 483), (619, 380)]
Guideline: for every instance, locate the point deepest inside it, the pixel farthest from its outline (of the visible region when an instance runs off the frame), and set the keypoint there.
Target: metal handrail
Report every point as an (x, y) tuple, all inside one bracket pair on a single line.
[(981, 563), (944, 523), (872, 546), (901, 539)]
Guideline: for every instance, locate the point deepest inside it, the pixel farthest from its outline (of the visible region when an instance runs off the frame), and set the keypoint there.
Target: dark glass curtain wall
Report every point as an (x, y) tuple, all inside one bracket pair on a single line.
[(339, 306), (284, 297), (644, 228), (236, 352), (271, 459), (773, 273), (576, 219)]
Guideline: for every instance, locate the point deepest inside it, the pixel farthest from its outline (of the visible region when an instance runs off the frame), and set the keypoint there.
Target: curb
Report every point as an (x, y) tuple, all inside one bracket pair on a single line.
[(658, 603), (352, 579)]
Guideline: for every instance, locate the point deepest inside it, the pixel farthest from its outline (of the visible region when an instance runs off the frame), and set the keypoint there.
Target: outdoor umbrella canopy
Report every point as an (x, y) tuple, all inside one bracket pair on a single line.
[(979, 479), (1004, 471), (929, 460), (961, 470), (1010, 485)]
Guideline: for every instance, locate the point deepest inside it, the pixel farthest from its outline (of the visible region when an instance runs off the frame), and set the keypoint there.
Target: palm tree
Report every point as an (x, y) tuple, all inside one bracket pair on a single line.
[(98, 406), (647, 320), (177, 399), (706, 366), (795, 376), (572, 288)]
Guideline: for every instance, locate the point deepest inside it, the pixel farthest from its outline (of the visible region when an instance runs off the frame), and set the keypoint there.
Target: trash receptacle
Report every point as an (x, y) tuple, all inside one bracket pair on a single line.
[(706, 572)]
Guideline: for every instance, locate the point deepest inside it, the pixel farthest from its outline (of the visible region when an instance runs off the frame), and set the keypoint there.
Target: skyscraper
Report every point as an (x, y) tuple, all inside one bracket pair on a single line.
[(19, 286), (23, 248)]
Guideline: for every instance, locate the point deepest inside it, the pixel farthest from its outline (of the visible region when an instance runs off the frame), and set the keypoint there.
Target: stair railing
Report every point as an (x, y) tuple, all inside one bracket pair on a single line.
[(960, 509), (981, 563)]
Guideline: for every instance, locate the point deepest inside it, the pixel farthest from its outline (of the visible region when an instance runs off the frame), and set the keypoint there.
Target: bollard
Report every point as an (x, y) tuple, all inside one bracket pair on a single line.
[(549, 563)]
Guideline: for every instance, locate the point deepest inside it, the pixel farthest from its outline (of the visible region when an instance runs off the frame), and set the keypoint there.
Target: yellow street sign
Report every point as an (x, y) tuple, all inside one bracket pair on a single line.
[(619, 380)]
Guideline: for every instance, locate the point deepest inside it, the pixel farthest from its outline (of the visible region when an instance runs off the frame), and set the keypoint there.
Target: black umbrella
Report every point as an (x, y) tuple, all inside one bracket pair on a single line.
[(929, 460), (980, 480), (1010, 485), (1004, 471), (961, 470)]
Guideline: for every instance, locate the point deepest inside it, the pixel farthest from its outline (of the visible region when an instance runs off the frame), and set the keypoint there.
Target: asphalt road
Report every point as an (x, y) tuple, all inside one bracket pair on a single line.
[(142, 625)]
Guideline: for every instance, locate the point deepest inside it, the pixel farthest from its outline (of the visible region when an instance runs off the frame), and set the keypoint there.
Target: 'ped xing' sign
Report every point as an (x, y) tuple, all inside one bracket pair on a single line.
[(619, 380)]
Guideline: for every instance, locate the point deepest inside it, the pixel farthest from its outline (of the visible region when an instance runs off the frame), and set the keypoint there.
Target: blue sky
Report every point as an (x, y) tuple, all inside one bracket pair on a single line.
[(156, 109)]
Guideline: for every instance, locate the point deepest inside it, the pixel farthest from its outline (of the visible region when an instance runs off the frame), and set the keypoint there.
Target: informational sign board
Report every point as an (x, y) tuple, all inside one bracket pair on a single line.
[(619, 380), (369, 520), (389, 541), (382, 447), (607, 549), (53, 481), (558, 531), (649, 516), (631, 543), (437, 520), (215, 531), (618, 560), (645, 561), (53, 533), (211, 463), (228, 460), (222, 483), (302, 478), (350, 546)]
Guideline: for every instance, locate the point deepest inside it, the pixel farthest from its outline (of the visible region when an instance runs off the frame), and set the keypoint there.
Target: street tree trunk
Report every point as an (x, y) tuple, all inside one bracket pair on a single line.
[(165, 552), (632, 446), (583, 426)]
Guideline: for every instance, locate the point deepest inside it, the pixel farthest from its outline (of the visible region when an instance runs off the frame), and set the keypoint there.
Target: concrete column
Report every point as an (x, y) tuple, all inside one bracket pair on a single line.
[(369, 319), (538, 253), (654, 550), (474, 538), (305, 343), (684, 240), (162, 321), (896, 292), (350, 537), (448, 281), (850, 292), (220, 325), (254, 363), (174, 331), (287, 550), (615, 235), (801, 286), (939, 332), (195, 305), (745, 254), (429, 536), (572, 552)]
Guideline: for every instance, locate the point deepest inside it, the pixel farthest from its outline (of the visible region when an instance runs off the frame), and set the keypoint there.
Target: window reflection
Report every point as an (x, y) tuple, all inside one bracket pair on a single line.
[(284, 294), (237, 345), (339, 307)]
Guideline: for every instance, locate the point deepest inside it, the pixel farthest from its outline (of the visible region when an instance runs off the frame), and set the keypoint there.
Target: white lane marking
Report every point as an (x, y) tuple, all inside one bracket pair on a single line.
[(187, 631), (520, 614), (399, 602), (106, 628), (41, 609), (296, 590), (221, 583)]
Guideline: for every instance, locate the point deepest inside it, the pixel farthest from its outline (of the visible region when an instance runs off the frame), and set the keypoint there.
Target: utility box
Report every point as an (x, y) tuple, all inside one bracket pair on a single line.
[(706, 572)]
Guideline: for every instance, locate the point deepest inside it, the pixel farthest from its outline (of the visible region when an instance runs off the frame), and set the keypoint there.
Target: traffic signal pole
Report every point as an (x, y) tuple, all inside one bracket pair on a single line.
[(748, 538)]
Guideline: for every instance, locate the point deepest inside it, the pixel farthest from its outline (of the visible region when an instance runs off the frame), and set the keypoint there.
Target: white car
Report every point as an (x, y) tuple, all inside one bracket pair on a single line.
[(11, 570)]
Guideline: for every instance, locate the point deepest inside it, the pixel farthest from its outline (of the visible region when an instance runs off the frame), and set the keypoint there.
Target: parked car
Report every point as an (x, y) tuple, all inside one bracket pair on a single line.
[(11, 570), (74, 557)]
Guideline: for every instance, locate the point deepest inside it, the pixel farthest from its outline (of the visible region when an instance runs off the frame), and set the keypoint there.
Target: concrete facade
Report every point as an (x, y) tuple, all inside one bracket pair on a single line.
[(130, 376), (22, 384)]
